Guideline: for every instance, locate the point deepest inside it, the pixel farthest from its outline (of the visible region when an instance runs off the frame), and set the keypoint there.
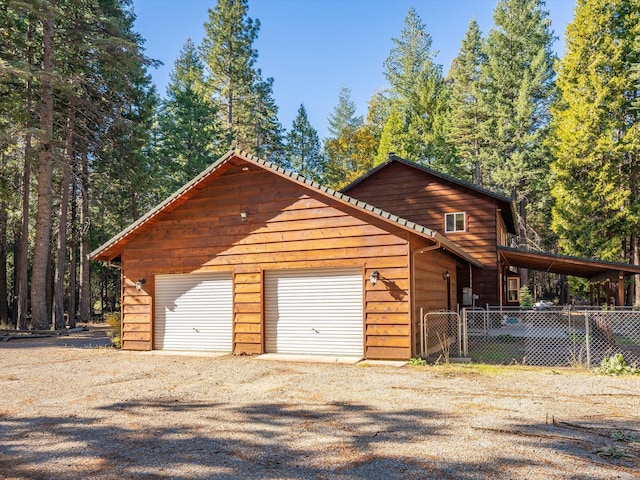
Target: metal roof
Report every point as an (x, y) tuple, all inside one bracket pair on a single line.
[(593, 269), (110, 249), (510, 220)]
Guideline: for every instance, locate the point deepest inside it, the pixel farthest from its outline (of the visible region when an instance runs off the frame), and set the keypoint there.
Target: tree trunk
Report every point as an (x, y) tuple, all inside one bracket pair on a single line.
[(636, 278), (524, 273), (85, 275), (4, 293), (22, 259), (73, 261), (40, 317), (57, 321)]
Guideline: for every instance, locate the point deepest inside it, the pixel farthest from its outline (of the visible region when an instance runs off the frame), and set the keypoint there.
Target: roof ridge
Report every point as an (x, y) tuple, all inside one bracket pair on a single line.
[(296, 177)]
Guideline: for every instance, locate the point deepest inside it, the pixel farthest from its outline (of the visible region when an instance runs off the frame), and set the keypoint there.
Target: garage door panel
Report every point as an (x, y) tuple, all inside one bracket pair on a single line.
[(193, 312), (314, 312)]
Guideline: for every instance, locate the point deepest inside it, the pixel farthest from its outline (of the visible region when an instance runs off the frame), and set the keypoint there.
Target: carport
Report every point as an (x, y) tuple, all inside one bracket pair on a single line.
[(599, 272)]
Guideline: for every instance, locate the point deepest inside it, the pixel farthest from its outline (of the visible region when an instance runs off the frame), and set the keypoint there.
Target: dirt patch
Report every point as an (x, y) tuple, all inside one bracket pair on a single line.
[(75, 410)]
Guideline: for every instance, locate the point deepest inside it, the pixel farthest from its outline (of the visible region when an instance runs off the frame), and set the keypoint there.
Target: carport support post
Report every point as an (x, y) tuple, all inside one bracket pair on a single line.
[(587, 338), (620, 289)]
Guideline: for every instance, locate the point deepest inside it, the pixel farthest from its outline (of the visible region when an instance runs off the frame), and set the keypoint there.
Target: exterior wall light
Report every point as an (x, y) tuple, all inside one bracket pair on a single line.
[(373, 278), (445, 275), (139, 284), (243, 216)]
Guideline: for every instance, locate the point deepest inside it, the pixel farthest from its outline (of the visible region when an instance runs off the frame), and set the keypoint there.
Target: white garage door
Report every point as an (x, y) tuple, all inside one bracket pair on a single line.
[(314, 312), (193, 312)]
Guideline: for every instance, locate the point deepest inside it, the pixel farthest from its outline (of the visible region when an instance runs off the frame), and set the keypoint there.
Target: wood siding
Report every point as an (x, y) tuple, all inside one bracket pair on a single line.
[(423, 198), (430, 286), (287, 226)]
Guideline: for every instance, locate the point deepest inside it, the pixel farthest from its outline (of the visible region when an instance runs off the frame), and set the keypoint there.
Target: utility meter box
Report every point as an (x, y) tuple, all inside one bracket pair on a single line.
[(467, 296)]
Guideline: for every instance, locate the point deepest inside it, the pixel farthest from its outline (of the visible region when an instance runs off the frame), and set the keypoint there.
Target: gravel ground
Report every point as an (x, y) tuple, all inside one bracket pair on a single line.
[(70, 409)]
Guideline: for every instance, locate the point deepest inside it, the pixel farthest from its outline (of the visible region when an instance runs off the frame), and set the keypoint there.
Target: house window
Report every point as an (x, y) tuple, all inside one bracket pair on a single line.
[(454, 222), (513, 289)]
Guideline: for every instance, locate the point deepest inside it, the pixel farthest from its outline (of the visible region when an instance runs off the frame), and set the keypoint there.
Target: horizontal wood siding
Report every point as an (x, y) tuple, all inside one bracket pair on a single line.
[(430, 287), (387, 308), (287, 226), (248, 323), (136, 313), (424, 199)]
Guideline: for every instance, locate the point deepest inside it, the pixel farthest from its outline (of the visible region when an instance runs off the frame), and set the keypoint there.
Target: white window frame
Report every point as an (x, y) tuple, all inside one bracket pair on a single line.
[(516, 280), (455, 214)]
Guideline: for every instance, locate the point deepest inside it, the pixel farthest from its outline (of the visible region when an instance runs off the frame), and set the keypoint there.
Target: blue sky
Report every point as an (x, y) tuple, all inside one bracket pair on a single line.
[(312, 48)]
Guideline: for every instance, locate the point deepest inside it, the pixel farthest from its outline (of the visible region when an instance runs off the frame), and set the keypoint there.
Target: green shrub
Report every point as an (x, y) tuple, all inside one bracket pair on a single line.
[(615, 365), (115, 328), (417, 361), (526, 299)]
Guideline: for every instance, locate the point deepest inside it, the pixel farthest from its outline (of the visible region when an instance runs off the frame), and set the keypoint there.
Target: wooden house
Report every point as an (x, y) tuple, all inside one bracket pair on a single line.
[(250, 258), (476, 219), (484, 224)]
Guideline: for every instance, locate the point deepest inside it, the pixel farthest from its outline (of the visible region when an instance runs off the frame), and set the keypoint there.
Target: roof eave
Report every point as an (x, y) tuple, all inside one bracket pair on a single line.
[(106, 252)]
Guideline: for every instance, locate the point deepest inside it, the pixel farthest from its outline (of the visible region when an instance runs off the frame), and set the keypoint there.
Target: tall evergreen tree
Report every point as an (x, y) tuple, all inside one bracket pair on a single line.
[(245, 98), (518, 85), (466, 115), (595, 134), (416, 89), (303, 151), (90, 62), (350, 148), (344, 115), (190, 133)]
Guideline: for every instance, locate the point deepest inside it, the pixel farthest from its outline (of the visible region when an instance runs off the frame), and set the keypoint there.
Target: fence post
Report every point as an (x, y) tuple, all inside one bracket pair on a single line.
[(459, 335), (465, 334), (587, 337), (421, 333)]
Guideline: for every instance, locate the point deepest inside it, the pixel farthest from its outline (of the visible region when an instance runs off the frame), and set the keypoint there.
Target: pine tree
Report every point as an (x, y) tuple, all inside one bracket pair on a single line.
[(350, 149), (303, 151), (190, 134), (91, 64), (416, 92), (393, 138), (517, 91), (244, 97), (343, 115), (466, 115), (595, 134)]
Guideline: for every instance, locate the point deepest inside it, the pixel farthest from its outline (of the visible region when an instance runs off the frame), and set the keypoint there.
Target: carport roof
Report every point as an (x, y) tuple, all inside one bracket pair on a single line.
[(112, 247), (594, 270)]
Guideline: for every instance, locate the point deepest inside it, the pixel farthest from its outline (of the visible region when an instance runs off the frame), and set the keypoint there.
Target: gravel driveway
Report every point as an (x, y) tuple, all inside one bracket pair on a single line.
[(68, 412)]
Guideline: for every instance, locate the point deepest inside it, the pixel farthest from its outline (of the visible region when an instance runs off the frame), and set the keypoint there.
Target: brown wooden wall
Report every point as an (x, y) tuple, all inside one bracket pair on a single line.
[(288, 226), (423, 198), (430, 290)]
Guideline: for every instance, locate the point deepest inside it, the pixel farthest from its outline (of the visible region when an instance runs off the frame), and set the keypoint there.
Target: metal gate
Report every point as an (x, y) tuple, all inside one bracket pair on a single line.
[(442, 334)]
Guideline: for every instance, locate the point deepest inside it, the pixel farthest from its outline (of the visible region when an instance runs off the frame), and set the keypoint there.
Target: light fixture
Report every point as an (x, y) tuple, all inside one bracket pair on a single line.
[(373, 278), (243, 216), (139, 284), (445, 275)]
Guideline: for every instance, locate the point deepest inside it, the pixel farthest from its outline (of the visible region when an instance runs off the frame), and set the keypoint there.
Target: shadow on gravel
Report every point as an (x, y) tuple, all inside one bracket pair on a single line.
[(615, 445), (324, 441), (95, 337)]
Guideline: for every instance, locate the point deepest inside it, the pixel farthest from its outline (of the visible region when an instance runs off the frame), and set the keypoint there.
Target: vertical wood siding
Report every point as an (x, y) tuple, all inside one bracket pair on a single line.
[(288, 226)]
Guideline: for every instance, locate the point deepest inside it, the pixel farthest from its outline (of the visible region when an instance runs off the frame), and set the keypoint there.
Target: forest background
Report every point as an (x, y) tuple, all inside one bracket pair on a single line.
[(88, 145)]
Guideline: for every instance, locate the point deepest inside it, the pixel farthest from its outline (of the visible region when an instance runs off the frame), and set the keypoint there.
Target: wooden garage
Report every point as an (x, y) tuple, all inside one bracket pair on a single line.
[(264, 260)]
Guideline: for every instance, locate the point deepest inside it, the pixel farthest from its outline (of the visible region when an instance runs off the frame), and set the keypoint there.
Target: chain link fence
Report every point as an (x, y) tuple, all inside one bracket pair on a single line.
[(441, 335), (554, 336)]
